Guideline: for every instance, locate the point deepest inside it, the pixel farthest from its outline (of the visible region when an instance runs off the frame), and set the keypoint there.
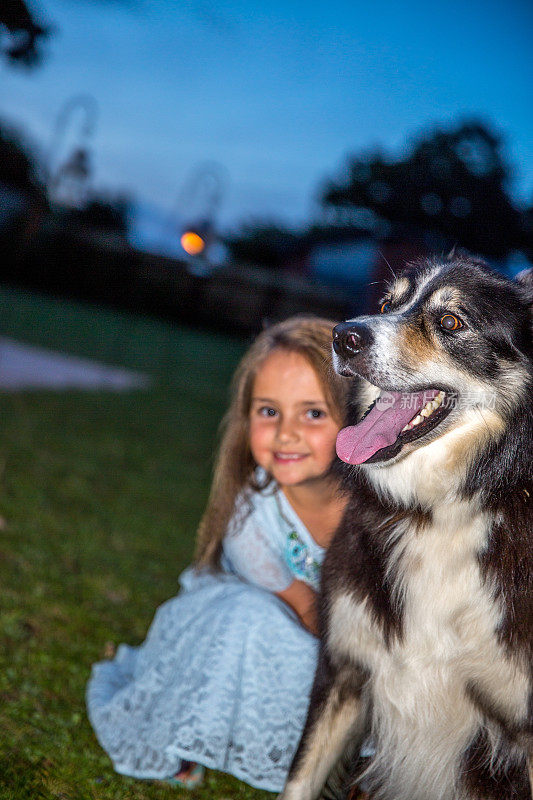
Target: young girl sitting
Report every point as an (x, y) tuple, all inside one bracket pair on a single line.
[(224, 676)]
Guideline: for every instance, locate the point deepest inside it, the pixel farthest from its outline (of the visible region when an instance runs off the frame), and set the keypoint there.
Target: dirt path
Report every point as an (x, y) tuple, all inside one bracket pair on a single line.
[(24, 366)]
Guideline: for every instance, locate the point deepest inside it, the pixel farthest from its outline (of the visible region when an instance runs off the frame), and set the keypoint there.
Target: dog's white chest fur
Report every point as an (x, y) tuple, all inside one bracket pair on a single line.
[(419, 680)]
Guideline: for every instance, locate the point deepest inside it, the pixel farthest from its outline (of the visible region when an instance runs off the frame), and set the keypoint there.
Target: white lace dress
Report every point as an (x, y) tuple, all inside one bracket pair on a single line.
[(224, 675)]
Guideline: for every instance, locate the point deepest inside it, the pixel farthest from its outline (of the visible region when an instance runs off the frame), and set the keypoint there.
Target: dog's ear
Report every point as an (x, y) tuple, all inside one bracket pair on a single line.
[(458, 253), (525, 278)]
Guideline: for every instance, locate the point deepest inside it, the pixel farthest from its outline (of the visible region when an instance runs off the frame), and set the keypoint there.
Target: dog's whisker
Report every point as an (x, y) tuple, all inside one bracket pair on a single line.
[(394, 275), (480, 412)]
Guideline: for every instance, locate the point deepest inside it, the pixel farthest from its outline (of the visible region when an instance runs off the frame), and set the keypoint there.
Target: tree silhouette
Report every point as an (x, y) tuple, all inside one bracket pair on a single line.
[(105, 214), (264, 243), (24, 34), (18, 167), (453, 183)]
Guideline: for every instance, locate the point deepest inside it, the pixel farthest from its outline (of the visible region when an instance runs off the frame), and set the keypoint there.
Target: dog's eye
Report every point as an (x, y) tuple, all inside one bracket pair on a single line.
[(385, 306), (450, 322)]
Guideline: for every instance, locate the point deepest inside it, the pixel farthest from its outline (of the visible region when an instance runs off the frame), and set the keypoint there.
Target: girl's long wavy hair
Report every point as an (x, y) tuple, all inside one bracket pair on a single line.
[(235, 466)]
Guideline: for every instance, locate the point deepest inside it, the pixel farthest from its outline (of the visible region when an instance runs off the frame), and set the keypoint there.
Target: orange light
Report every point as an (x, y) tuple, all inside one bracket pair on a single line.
[(192, 243)]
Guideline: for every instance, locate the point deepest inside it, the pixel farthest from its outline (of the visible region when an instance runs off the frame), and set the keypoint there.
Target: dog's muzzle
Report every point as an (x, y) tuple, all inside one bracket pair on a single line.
[(350, 338)]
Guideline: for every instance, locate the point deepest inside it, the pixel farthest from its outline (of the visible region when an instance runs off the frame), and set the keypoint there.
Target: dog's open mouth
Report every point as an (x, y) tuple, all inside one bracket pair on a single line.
[(393, 420)]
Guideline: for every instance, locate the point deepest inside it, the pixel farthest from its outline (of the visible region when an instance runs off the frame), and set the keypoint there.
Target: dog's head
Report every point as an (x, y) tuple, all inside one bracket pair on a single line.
[(445, 364)]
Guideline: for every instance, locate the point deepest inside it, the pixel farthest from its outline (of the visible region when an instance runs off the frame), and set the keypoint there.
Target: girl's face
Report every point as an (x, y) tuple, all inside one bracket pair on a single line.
[(292, 431)]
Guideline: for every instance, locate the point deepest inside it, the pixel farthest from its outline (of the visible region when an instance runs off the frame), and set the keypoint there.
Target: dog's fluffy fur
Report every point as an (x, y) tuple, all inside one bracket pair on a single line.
[(427, 595)]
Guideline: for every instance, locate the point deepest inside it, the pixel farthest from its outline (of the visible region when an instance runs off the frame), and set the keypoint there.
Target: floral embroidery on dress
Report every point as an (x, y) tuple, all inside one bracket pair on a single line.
[(300, 559)]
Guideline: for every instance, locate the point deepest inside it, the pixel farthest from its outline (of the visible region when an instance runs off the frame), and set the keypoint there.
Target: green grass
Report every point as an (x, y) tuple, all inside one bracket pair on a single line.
[(100, 495), (178, 357)]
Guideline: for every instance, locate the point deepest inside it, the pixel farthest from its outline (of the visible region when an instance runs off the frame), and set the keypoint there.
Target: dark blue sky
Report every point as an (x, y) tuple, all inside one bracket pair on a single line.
[(278, 93)]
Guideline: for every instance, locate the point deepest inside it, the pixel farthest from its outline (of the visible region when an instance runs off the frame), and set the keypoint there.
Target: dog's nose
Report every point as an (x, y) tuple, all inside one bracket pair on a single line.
[(349, 338)]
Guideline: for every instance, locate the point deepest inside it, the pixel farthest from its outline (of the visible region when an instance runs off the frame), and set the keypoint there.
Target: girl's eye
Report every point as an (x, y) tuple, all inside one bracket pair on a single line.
[(385, 306), (267, 411), (449, 322), (316, 413)]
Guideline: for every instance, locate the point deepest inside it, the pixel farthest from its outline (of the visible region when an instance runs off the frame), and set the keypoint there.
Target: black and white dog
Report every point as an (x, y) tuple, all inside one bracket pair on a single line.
[(427, 596)]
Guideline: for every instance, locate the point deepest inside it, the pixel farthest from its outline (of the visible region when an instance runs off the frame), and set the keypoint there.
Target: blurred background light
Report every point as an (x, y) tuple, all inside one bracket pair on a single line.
[(192, 243)]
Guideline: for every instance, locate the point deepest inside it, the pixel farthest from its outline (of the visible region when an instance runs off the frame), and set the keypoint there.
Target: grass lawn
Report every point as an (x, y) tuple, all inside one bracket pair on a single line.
[(100, 497)]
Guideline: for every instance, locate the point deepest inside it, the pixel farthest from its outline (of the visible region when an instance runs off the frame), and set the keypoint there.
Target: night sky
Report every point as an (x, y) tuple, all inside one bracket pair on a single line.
[(276, 93)]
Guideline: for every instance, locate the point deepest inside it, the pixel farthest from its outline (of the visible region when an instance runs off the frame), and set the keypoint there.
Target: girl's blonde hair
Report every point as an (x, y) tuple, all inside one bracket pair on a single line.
[(234, 465)]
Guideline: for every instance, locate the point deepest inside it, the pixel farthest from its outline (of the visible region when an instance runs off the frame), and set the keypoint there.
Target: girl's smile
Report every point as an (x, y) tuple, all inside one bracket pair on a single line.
[(292, 431)]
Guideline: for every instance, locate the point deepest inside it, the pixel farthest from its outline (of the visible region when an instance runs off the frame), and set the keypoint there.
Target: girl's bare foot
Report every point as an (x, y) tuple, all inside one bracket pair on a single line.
[(185, 771), (190, 775)]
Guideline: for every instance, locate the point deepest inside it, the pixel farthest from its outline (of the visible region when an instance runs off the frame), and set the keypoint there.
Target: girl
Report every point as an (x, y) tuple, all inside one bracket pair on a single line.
[(224, 676)]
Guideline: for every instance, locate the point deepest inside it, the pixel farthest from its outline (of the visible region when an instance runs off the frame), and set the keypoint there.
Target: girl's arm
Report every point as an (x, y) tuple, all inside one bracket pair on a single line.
[(302, 599)]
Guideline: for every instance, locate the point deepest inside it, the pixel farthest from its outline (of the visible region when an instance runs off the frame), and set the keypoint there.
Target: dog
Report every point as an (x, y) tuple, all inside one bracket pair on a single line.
[(426, 608)]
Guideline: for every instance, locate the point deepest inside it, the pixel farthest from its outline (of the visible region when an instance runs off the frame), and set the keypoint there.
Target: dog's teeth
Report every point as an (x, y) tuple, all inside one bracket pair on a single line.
[(425, 412)]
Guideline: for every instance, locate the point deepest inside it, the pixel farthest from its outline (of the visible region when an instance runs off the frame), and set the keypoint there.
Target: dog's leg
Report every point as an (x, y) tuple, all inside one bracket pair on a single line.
[(336, 717), (340, 783)]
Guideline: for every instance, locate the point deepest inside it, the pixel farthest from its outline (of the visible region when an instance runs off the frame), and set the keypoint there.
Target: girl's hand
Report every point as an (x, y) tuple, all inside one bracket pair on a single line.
[(302, 599)]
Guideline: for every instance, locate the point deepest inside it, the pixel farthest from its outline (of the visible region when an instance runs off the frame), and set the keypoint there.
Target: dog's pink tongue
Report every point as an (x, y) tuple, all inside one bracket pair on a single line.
[(381, 426)]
